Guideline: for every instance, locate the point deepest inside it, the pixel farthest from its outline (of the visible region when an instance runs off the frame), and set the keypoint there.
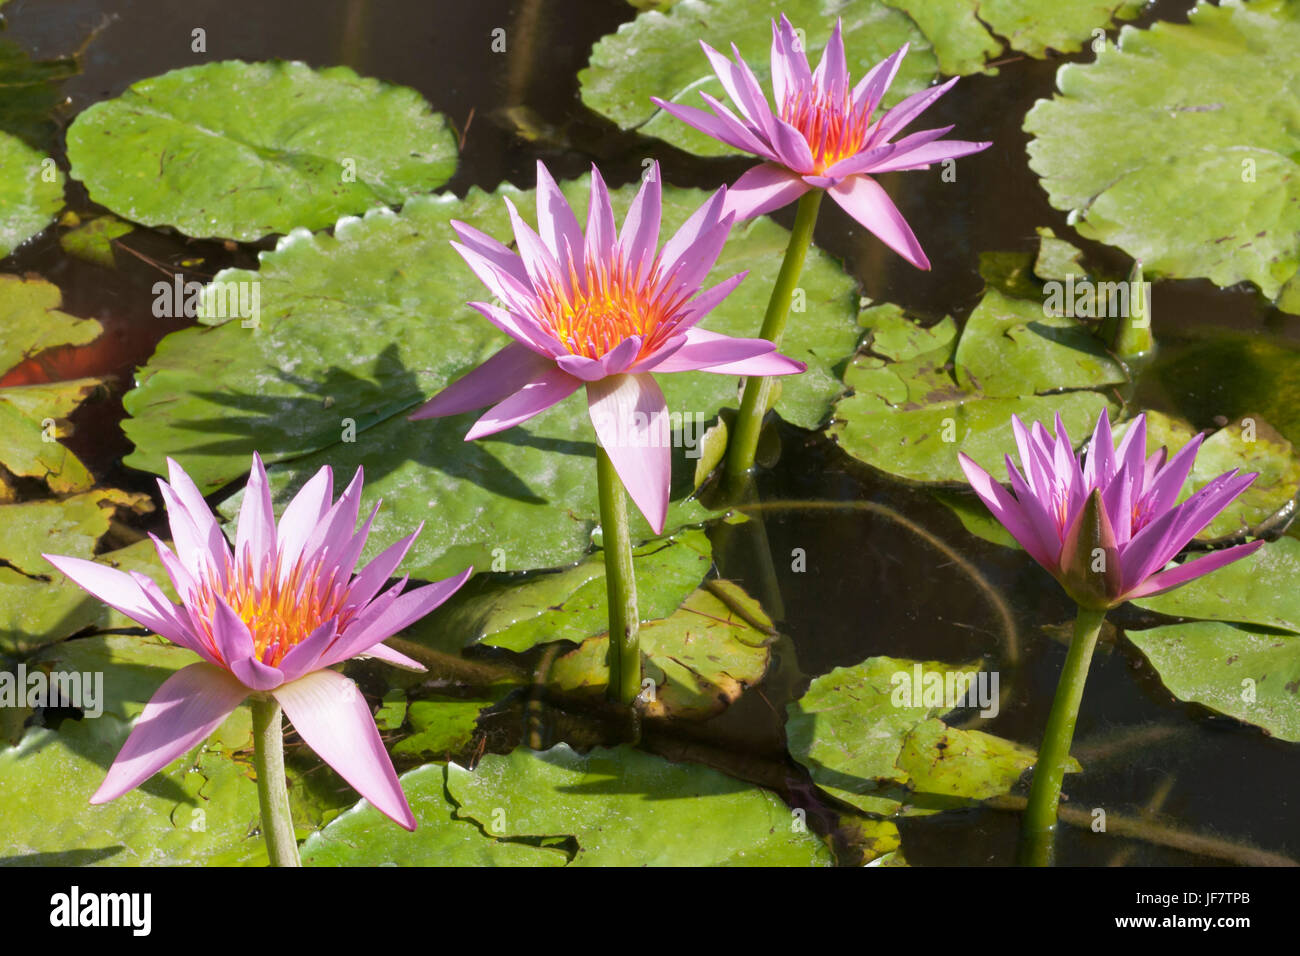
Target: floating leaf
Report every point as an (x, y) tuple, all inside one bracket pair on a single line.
[(626, 807), (1181, 147), (701, 658), (240, 150), (1259, 589), (31, 94), (1245, 672), (31, 192), (868, 740), (357, 328), (444, 725), (658, 54), (975, 517), (910, 417), (71, 526), (365, 837), (565, 605), (93, 241)]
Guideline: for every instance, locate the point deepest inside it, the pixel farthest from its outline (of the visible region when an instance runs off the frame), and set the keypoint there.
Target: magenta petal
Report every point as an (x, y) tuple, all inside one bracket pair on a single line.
[(1006, 509), (1169, 480), (832, 74), (557, 224), (763, 189), (205, 524), (307, 509), (542, 267), (918, 157), (639, 237), (331, 715), (1189, 570), (795, 55), (601, 234), (182, 713), (725, 127), (502, 375), (743, 89), (392, 617), (492, 252), (872, 87), (382, 652), (119, 590), (520, 327), (866, 201), (375, 574), (616, 360), (304, 657), (255, 536), (552, 386), (630, 415), (708, 300), (697, 230), (1099, 463), (908, 110), (192, 545)]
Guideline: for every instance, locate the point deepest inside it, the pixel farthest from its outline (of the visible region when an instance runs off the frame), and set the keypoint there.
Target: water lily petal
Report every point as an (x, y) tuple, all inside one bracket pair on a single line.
[(552, 386), (763, 189), (182, 713), (630, 415), (331, 716), (1189, 570), (502, 375), (866, 201)]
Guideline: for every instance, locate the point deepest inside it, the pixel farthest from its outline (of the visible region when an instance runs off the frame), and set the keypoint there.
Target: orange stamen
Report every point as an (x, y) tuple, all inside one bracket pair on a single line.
[(834, 128)]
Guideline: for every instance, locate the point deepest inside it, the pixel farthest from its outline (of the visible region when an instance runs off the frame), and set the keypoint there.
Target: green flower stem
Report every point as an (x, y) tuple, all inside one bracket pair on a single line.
[(758, 390), (272, 789), (1038, 826), (620, 585)]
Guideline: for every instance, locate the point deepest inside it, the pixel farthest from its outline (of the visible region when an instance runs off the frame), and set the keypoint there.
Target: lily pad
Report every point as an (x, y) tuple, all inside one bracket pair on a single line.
[(358, 328), (658, 54), (93, 241), (71, 526), (1180, 147), (1259, 589), (626, 807), (365, 837), (565, 605), (869, 736), (1245, 672), (701, 658), (31, 192), (241, 150), (967, 34), (910, 417), (31, 94)]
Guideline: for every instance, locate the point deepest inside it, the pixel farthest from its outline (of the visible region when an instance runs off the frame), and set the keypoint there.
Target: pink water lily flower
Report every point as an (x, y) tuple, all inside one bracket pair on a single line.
[(603, 310), (271, 617), (824, 134), (1107, 527)]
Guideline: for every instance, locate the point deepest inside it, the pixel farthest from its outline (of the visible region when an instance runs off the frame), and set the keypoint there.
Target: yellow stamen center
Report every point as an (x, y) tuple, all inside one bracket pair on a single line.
[(834, 128)]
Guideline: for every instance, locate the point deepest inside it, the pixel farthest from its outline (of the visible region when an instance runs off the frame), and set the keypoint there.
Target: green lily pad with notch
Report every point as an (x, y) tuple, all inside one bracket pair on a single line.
[(365, 837), (1250, 673), (1259, 589), (357, 329), (625, 807), (1247, 445), (865, 741), (658, 54), (700, 658), (519, 612), (31, 192), (93, 241), (242, 150), (69, 526), (1181, 147)]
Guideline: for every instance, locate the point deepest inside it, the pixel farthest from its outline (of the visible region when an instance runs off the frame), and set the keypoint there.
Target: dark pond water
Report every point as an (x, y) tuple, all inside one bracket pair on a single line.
[(874, 583)]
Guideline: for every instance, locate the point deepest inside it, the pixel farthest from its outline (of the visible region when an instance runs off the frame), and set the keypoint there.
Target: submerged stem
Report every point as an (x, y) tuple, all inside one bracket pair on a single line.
[(272, 788), (620, 585), (753, 403), (1038, 826)]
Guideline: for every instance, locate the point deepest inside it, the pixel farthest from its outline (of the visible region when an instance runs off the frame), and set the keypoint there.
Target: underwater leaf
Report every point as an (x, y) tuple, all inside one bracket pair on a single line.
[(443, 725), (31, 192), (626, 807), (1181, 146), (358, 328), (658, 54), (1245, 672), (365, 837), (93, 241), (241, 150), (700, 658)]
